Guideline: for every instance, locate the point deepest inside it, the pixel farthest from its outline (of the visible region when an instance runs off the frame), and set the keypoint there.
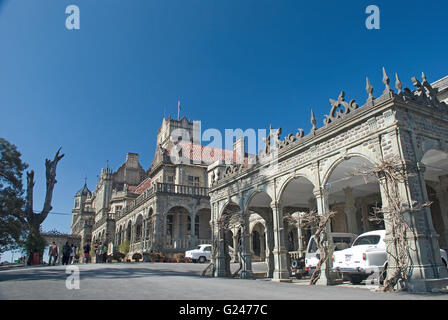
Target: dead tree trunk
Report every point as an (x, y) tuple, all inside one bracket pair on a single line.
[(390, 173), (34, 220), (318, 222)]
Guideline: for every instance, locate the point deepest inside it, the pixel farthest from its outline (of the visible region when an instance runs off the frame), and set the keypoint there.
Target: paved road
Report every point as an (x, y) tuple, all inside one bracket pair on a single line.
[(169, 281)]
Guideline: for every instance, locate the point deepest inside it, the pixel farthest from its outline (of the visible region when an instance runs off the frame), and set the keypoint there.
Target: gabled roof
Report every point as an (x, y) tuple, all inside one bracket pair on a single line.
[(145, 184), (206, 154)]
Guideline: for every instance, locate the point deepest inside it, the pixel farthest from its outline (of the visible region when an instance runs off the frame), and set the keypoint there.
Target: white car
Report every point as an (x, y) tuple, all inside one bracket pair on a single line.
[(366, 256), (201, 254), (312, 256)]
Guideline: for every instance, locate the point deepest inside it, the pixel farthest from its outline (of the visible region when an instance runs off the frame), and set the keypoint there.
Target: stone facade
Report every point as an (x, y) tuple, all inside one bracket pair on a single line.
[(164, 209), (299, 173)]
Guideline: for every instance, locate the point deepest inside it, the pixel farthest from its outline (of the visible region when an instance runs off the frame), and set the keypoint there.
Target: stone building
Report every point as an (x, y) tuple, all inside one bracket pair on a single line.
[(166, 208), (320, 171)]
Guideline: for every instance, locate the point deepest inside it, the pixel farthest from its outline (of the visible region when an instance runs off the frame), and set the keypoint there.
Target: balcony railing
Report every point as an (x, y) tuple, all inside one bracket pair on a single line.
[(175, 189)]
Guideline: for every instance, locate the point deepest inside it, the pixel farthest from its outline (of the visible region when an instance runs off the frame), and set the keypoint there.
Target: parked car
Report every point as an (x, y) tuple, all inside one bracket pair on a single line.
[(366, 256), (312, 256), (201, 254)]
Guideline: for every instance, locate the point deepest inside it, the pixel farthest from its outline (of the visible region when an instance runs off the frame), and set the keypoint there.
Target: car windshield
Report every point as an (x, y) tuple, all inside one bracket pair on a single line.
[(367, 240)]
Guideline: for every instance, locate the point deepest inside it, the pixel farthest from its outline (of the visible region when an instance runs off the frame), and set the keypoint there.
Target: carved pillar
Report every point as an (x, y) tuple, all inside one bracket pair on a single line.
[(442, 196), (270, 248), (300, 239), (192, 230), (159, 229), (365, 216), (235, 245), (350, 211), (280, 253), (220, 270), (327, 277), (263, 246), (179, 242), (246, 272)]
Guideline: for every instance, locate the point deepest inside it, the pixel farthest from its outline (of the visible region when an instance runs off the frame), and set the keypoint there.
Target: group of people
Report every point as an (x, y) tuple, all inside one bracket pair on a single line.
[(100, 252), (68, 254)]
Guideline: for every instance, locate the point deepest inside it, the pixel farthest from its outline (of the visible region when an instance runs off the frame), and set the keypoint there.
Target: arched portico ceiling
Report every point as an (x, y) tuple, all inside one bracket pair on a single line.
[(259, 199), (436, 164), (347, 175), (177, 210), (297, 193)]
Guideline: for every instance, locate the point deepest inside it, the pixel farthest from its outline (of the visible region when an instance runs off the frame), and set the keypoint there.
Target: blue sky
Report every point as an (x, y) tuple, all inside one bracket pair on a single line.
[(102, 91)]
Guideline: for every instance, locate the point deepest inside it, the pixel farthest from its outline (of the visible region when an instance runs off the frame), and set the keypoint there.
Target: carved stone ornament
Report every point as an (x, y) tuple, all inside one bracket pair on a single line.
[(335, 105), (424, 93)]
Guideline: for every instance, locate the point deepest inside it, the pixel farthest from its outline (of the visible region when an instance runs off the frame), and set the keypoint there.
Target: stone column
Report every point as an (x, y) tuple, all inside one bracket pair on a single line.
[(350, 211), (159, 229), (235, 245), (180, 243), (220, 270), (192, 230), (442, 196), (281, 273), (427, 266), (365, 216), (269, 249), (262, 246), (300, 248), (246, 272), (327, 277)]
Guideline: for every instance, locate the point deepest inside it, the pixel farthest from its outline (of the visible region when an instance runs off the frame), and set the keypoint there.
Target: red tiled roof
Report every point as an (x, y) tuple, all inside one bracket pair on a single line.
[(207, 154), (145, 184)]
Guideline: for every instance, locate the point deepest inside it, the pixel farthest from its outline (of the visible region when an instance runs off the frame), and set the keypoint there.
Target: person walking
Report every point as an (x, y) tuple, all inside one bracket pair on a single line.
[(99, 253), (66, 249), (86, 252), (104, 253), (53, 253), (72, 253)]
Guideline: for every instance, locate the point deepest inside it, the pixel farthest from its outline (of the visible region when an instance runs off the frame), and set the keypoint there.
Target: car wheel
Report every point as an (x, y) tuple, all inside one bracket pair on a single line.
[(202, 259), (355, 279)]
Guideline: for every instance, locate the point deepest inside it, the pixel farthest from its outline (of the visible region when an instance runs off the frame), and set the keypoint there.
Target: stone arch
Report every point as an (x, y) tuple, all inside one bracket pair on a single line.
[(254, 194), (351, 195), (291, 179), (340, 159), (435, 163), (430, 144)]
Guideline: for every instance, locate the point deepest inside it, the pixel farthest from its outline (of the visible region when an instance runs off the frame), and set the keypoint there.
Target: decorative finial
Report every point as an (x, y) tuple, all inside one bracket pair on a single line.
[(424, 77), (386, 82), (85, 180), (313, 121), (398, 84), (369, 89)]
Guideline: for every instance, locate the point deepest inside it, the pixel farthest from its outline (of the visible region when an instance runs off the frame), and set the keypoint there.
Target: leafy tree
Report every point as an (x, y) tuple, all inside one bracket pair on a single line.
[(124, 247), (12, 219)]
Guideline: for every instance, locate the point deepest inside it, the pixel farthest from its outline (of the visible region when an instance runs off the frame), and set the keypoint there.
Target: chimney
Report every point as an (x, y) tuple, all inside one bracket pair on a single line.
[(132, 160), (238, 148)]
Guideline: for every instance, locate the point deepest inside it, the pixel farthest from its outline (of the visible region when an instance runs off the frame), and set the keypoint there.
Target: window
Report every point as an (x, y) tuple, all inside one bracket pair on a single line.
[(193, 181), (170, 179), (367, 240)]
